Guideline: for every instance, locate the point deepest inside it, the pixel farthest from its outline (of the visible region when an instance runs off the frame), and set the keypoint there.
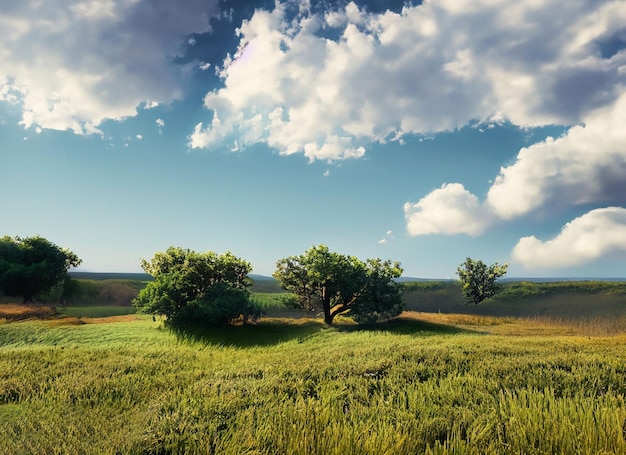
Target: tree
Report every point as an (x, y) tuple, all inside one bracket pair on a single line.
[(479, 280), (342, 284), (33, 265), (191, 287)]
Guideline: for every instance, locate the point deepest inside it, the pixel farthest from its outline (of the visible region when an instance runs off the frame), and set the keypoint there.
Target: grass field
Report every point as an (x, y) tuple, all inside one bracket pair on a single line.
[(425, 383)]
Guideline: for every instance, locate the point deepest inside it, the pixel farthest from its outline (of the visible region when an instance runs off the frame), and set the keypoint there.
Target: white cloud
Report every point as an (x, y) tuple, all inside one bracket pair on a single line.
[(431, 68), (450, 209), (586, 165), (388, 236), (593, 236), (150, 104), (72, 64), (160, 124)]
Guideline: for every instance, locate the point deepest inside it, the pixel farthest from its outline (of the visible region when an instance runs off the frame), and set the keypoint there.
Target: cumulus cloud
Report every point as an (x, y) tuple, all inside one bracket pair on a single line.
[(450, 209), (429, 68), (599, 233), (71, 64), (586, 165)]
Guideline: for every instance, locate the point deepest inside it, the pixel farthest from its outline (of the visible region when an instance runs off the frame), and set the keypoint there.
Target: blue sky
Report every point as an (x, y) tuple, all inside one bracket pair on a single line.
[(423, 133)]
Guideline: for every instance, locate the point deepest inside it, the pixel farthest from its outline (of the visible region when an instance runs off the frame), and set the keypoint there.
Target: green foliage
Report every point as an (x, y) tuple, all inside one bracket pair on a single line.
[(426, 286), (405, 388), (280, 300), (479, 280), (33, 265), (340, 283), (197, 288)]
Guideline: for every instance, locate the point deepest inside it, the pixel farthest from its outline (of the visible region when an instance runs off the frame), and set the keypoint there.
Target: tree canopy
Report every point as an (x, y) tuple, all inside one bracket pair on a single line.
[(342, 284), (33, 265), (479, 280), (191, 287)]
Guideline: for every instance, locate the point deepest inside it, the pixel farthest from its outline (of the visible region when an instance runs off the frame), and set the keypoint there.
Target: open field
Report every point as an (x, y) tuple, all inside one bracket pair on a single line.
[(575, 300), (425, 383)]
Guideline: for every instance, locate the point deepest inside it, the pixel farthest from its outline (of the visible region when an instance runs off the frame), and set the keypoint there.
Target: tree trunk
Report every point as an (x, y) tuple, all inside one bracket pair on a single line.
[(328, 317)]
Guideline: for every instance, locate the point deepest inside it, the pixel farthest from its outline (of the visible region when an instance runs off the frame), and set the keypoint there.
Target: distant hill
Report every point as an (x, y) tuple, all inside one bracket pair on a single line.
[(110, 276), (262, 283), (257, 277)]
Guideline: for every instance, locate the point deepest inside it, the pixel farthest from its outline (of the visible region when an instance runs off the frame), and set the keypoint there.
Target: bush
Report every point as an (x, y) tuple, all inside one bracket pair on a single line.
[(192, 288), (220, 306)]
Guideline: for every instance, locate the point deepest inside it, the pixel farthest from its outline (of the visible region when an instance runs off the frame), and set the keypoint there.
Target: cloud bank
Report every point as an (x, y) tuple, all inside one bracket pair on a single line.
[(599, 233), (586, 165), (325, 85), (70, 64)]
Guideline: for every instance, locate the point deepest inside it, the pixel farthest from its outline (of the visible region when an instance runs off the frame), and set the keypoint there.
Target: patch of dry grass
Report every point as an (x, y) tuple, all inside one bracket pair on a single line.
[(526, 326), (17, 312)]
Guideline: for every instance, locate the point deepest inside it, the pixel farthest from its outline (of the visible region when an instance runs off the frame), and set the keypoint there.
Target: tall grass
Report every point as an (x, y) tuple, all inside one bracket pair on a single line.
[(299, 387), (571, 300)]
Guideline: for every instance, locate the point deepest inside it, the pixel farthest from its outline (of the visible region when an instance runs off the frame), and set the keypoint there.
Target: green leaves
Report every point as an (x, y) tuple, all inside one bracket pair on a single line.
[(196, 287), (33, 265), (340, 283), (479, 280)]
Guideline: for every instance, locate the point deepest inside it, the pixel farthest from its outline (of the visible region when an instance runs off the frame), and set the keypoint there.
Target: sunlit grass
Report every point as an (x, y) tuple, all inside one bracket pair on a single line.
[(95, 311), (420, 384)]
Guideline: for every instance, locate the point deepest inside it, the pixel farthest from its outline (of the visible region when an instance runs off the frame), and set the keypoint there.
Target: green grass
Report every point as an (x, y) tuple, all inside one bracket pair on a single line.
[(100, 311), (415, 385), (560, 300)]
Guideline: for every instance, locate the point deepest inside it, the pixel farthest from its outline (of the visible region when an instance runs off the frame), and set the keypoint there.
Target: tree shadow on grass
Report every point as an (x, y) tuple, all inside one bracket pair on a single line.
[(270, 332), (263, 333), (407, 326)]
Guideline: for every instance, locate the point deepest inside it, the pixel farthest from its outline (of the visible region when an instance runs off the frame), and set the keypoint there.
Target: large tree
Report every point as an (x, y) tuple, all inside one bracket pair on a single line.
[(342, 284), (191, 287), (32, 266), (479, 279)]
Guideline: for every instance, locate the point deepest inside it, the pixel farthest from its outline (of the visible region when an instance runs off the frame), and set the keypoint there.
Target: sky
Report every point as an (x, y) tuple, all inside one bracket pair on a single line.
[(421, 132)]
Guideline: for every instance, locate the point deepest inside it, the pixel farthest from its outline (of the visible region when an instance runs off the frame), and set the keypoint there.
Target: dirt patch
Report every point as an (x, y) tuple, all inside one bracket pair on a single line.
[(19, 312)]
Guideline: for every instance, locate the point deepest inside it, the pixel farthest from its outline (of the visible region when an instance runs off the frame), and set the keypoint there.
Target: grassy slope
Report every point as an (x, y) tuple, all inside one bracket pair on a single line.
[(427, 383), (569, 300)]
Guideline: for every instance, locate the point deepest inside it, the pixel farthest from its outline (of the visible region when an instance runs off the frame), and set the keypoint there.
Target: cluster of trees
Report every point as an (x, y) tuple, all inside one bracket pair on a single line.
[(207, 288), (210, 289), (32, 266)]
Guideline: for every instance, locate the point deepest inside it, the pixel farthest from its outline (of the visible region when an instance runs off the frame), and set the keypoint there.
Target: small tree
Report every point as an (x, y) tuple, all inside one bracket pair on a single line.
[(32, 266), (342, 284), (479, 280), (191, 287)]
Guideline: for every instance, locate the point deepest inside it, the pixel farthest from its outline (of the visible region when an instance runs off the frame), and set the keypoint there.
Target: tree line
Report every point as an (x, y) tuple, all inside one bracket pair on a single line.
[(210, 289)]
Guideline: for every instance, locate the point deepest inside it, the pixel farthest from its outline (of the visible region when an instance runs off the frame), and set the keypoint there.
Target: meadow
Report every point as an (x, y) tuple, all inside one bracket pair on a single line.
[(428, 382), (425, 383)]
